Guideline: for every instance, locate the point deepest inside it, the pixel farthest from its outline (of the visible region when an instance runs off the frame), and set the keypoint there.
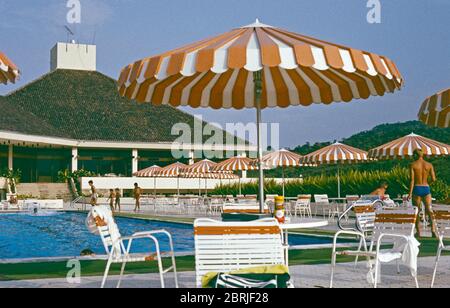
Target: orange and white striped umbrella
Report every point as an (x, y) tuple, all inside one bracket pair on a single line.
[(405, 147), (282, 158), (8, 70), (236, 164), (335, 153), (148, 172), (204, 166), (210, 176), (435, 110), (172, 171), (296, 70)]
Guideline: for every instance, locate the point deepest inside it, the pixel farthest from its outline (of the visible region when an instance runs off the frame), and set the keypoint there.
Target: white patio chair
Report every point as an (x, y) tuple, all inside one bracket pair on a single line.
[(391, 225), (223, 247), (100, 221), (441, 218), (302, 206), (324, 202)]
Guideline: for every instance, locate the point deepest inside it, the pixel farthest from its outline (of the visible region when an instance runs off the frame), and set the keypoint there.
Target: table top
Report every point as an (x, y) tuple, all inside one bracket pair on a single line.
[(304, 224)]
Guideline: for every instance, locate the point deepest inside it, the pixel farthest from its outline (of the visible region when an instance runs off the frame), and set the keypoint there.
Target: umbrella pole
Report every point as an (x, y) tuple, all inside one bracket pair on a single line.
[(257, 78), (178, 186), (283, 183), (240, 187), (339, 181)]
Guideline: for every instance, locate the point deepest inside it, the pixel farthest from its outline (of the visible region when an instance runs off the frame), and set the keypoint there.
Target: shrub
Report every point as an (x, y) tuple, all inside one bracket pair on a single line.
[(353, 182)]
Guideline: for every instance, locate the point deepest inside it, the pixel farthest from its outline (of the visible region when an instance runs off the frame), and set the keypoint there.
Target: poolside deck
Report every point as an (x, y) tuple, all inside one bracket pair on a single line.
[(305, 276)]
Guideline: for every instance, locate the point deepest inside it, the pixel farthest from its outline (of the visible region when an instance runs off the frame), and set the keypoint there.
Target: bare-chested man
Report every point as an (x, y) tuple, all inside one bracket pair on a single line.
[(94, 195), (137, 196), (420, 191)]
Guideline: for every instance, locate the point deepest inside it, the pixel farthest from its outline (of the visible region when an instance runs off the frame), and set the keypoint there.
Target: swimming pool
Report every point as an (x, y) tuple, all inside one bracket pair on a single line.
[(65, 235)]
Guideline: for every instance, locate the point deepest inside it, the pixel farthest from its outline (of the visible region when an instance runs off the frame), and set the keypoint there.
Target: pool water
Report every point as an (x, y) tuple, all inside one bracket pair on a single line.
[(65, 235)]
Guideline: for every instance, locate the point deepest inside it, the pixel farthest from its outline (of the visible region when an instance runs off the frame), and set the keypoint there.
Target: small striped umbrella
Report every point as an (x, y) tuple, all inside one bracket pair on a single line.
[(435, 110), (150, 172), (238, 163), (259, 66), (209, 176), (337, 153), (173, 171), (283, 159), (8, 70), (203, 166), (405, 147)]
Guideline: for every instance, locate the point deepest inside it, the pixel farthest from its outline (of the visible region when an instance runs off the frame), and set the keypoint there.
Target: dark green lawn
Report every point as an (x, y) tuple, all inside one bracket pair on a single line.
[(96, 268)]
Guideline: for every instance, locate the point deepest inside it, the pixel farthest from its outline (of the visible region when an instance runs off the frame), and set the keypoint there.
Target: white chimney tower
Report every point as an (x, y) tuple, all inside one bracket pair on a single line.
[(72, 56)]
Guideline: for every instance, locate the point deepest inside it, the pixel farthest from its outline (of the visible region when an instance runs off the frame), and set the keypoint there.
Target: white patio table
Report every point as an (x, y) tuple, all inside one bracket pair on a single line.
[(307, 223)]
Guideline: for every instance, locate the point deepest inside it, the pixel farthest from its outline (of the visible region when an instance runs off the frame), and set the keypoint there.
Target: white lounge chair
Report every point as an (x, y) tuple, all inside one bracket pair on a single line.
[(243, 208), (223, 247), (441, 218), (302, 206), (100, 221), (327, 206), (390, 225)]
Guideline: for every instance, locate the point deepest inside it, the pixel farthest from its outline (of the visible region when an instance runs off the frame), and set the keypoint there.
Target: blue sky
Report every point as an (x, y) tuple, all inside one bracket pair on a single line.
[(414, 33)]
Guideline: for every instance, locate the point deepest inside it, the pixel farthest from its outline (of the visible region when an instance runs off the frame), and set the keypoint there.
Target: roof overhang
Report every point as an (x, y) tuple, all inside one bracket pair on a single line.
[(20, 139)]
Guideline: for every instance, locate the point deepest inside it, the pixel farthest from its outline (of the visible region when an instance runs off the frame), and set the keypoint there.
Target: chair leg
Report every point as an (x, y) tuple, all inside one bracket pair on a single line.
[(377, 272), (359, 249), (124, 264), (416, 281), (438, 257), (105, 276), (333, 267)]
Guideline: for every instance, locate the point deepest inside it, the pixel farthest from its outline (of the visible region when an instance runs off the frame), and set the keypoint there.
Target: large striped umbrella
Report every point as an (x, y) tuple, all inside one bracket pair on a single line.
[(8, 70), (150, 172), (259, 66), (283, 159), (337, 153), (405, 147), (435, 110), (173, 171)]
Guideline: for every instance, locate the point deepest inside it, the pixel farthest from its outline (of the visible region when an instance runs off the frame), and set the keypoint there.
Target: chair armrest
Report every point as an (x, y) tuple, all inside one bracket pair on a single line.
[(382, 236), (345, 232), (145, 235)]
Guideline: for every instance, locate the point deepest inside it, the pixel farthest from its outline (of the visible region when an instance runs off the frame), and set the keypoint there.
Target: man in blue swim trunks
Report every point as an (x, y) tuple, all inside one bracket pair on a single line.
[(421, 172)]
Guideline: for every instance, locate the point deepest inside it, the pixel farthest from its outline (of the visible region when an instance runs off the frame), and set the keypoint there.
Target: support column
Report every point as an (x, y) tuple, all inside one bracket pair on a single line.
[(191, 157), (10, 157), (244, 173), (74, 159), (135, 161)]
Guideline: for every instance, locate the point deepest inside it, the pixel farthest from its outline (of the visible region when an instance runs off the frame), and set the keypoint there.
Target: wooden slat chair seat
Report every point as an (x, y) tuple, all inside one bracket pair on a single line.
[(100, 221), (223, 247), (441, 219), (389, 224), (244, 209)]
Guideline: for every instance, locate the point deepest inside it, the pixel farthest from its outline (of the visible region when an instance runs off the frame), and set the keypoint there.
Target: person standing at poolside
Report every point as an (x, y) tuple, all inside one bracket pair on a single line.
[(94, 195), (420, 191), (117, 201), (111, 199), (137, 196)]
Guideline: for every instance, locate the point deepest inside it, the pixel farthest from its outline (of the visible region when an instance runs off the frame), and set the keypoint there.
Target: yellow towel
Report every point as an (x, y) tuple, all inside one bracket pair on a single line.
[(273, 269)]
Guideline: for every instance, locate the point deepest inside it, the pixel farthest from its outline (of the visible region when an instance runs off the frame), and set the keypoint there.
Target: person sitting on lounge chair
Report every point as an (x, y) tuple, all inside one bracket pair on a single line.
[(381, 190)]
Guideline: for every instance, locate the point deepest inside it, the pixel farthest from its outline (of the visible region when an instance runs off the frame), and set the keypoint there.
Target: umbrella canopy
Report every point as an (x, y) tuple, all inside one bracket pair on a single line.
[(236, 164), (210, 176), (172, 171), (296, 70), (204, 166), (258, 66), (8, 70), (148, 172), (334, 154), (405, 147), (337, 153), (282, 158), (435, 110)]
